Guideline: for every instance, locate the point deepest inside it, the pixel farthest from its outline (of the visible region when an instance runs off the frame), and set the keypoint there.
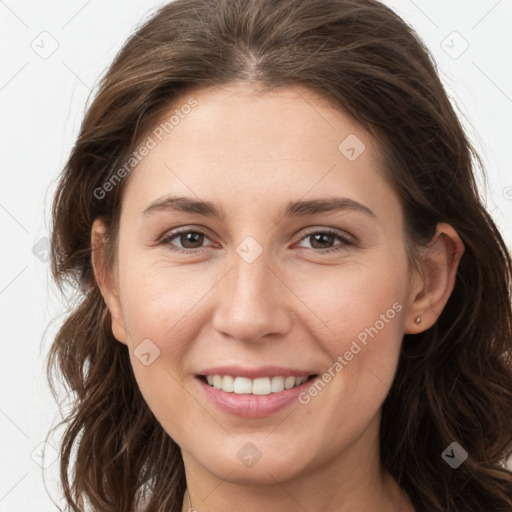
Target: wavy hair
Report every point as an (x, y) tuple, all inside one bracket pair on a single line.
[(454, 381)]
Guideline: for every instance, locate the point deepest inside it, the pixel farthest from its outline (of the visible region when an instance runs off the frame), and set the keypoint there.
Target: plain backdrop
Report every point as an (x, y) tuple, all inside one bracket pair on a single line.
[(52, 56)]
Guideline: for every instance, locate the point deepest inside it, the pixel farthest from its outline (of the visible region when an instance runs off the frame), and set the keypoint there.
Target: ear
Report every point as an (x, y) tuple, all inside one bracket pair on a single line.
[(434, 283), (106, 280)]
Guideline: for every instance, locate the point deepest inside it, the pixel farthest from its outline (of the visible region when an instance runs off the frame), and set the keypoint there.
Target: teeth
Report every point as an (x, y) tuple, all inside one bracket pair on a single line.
[(241, 385), (262, 386), (277, 384), (228, 384), (289, 382), (259, 386)]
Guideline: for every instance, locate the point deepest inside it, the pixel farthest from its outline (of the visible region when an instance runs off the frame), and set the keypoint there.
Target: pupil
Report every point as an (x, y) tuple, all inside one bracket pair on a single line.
[(321, 236), (189, 238)]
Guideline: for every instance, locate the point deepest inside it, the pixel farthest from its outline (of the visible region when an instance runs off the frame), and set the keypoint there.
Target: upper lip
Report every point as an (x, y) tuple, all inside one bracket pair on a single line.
[(254, 373)]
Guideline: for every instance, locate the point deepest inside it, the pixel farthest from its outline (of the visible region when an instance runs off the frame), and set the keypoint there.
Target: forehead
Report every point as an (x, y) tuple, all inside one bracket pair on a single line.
[(249, 145), (277, 123)]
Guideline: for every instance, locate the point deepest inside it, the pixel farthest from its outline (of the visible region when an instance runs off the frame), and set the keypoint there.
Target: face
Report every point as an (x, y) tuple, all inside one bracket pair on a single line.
[(294, 309)]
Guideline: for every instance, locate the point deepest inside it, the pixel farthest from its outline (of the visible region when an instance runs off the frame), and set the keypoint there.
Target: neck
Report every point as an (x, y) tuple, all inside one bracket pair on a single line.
[(351, 482)]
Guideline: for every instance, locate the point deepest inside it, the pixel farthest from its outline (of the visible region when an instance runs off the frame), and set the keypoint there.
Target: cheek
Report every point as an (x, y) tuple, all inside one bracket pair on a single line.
[(163, 304), (356, 300), (361, 308), (159, 299), (158, 309)]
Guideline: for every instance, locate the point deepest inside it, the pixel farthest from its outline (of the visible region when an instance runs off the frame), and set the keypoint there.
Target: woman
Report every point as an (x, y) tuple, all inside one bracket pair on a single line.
[(292, 295)]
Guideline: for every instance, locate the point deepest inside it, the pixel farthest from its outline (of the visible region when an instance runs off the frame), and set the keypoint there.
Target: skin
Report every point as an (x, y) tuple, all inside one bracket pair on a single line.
[(251, 153)]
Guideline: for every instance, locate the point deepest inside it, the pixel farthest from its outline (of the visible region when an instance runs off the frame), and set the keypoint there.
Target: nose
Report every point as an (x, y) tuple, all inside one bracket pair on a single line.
[(253, 302)]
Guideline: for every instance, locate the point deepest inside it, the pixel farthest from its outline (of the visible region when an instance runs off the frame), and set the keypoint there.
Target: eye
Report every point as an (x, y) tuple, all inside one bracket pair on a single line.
[(190, 239), (321, 240)]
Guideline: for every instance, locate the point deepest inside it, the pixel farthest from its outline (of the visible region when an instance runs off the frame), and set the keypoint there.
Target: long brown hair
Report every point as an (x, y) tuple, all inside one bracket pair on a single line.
[(454, 381)]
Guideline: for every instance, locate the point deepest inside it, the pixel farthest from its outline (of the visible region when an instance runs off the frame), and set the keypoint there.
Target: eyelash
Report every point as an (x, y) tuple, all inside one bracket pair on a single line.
[(171, 236)]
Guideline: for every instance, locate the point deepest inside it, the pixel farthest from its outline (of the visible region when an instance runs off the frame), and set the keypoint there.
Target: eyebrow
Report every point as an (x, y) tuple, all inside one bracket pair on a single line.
[(293, 208)]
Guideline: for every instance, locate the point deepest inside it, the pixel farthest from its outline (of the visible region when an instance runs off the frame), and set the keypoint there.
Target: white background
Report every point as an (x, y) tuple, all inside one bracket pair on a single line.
[(42, 102)]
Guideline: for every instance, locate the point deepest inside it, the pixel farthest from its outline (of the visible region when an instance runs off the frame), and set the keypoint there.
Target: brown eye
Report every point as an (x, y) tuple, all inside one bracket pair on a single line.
[(188, 240), (323, 241), (191, 239)]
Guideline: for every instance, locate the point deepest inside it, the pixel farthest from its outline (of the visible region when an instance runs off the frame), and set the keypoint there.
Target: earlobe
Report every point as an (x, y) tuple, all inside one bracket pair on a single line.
[(105, 279), (439, 264)]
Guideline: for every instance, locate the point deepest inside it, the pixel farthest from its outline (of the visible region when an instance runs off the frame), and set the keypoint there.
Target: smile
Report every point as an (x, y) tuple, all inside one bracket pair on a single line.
[(253, 393), (258, 386)]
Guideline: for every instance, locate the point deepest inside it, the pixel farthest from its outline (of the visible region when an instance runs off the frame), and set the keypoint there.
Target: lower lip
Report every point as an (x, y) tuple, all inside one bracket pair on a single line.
[(252, 406)]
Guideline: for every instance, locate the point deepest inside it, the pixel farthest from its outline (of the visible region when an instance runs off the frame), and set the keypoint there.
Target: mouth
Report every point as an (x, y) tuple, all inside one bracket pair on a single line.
[(259, 386), (254, 394)]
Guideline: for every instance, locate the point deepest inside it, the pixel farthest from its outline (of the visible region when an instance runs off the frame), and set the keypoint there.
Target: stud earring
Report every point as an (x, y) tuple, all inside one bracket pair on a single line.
[(418, 320)]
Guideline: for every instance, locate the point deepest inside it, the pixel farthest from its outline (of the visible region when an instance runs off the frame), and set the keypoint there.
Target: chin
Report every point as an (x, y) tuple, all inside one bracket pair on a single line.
[(243, 463)]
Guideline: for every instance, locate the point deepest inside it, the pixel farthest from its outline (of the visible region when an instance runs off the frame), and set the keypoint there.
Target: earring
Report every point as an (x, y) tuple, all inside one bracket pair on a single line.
[(418, 320)]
